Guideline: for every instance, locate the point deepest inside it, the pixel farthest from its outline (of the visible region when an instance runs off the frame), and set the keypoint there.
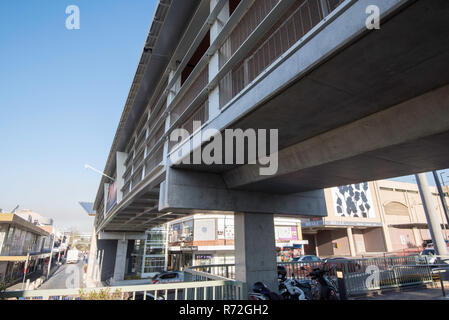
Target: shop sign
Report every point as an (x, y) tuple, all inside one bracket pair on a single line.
[(286, 233), (203, 257), (189, 249)]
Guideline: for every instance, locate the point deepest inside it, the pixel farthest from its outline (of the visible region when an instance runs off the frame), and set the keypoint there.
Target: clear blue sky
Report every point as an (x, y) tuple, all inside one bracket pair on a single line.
[(61, 97)]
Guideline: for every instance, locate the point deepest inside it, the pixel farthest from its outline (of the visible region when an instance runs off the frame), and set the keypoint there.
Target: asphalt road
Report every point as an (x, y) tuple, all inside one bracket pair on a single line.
[(68, 276)]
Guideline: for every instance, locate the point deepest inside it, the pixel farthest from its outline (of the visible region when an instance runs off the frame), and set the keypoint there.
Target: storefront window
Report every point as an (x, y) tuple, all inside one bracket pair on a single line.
[(203, 259), (149, 254), (225, 228), (181, 232), (154, 264)]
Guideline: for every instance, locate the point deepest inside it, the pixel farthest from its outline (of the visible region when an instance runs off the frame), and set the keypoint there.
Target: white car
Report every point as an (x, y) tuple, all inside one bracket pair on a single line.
[(427, 256), (169, 277)]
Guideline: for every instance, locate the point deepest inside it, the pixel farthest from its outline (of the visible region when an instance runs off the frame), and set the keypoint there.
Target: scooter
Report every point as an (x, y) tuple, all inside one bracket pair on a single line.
[(311, 288), (289, 288), (261, 292), (328, 287)]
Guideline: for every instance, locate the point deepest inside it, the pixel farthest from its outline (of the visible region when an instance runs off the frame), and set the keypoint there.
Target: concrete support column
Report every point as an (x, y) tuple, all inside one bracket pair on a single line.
[(351, 242), (120, 260), (255, 250), (214, 62), (385, 229), (433, 220), (417, 236), (315, 239)]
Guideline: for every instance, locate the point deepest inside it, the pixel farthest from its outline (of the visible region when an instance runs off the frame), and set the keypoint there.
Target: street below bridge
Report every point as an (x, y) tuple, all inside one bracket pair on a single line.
[(67, 276)]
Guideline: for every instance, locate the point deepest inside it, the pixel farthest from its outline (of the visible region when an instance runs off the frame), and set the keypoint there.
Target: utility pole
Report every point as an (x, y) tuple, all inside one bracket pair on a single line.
[(51, 255), (442, 195), (25, 269), (432, 217)]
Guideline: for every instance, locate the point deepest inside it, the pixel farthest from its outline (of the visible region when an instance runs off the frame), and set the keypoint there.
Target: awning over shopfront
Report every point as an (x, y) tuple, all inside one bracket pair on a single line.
[(23, 258), (323, 224)]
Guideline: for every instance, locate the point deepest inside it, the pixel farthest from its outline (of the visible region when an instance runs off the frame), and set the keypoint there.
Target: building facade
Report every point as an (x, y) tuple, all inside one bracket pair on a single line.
[(20, 240), (205, 239), (372, 218)]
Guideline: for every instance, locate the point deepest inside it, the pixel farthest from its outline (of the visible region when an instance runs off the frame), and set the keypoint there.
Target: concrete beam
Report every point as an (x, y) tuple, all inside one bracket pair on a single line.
[(411, 120), (189, 191), (121, 236)]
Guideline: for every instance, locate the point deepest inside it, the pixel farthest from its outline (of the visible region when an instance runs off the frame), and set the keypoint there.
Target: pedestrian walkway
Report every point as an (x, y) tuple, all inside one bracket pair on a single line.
[(33, 277), (431, 292)]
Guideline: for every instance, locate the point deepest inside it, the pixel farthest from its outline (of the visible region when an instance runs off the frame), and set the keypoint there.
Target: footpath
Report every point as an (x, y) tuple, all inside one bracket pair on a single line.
[(429, 292), (35, 279)]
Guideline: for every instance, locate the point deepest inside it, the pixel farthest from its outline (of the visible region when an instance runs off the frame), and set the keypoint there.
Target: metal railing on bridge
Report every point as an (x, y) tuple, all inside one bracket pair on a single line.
[(197, 286), (226, 271), (216, 282)]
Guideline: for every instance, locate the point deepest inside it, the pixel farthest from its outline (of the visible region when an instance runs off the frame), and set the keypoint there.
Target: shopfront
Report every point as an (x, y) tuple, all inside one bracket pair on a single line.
[(149, 256), (181, 258), (204, 259), (288, 242)]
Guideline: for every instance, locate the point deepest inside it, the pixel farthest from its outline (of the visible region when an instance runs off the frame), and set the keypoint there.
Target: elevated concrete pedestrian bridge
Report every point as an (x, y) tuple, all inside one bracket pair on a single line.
[(351, 105)]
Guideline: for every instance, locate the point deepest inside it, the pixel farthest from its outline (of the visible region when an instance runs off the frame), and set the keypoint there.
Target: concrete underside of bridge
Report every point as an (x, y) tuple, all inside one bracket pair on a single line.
[(351, 105), (374, 108)]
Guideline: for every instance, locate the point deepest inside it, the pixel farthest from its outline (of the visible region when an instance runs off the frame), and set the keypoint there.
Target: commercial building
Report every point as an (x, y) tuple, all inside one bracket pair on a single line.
[(20, 240), (55, 236), (209, 239), (372, 218)]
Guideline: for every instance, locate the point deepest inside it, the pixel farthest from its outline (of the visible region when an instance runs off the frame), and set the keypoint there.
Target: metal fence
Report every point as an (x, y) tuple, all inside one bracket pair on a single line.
[(360, 275), (364, 275), (220, 270), (202, 290)]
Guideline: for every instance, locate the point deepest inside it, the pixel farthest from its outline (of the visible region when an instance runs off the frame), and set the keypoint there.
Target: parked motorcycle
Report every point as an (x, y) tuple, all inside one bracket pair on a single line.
[(328, 287), (261, 292), (311, 288), (289, 288), (320, 287)]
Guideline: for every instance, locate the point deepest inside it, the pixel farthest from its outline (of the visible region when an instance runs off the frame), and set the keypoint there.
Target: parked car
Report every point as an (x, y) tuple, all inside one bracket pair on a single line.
[(307, 258), (303, 265), (169, 277), (343, 264), (427, 256)]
